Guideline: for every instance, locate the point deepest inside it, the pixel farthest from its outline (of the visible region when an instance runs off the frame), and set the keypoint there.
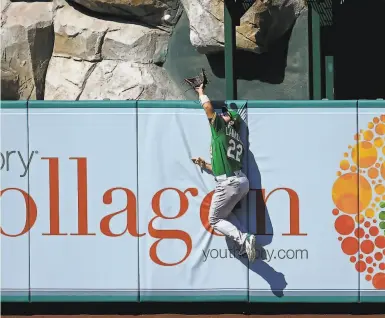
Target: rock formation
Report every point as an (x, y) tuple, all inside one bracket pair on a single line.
[(95, 59), (96, 49), (261, 25)]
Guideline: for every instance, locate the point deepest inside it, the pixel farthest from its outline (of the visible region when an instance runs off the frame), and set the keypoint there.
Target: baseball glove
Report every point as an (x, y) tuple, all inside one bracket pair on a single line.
[(196, 81)]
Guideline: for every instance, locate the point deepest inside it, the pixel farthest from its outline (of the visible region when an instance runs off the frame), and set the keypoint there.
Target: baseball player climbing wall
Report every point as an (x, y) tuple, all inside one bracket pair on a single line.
[(101, 201)]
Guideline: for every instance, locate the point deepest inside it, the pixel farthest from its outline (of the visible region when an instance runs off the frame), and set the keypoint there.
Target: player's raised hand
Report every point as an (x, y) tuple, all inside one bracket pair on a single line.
[(200, 89)]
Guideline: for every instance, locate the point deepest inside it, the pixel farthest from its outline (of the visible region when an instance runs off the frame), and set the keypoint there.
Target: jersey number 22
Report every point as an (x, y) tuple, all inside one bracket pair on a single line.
[(234, 150)]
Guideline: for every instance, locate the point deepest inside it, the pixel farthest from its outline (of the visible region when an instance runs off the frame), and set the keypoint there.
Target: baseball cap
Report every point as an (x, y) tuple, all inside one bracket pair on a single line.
[(234, 116)]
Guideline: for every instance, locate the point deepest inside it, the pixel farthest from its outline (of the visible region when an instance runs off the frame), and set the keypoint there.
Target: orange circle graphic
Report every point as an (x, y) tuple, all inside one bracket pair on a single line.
[(344, 224), (345, 193), (364, 154)]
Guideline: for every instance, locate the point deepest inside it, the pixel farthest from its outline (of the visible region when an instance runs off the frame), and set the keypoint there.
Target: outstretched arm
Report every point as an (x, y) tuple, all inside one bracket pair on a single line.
[(205, 102), (203, 164)]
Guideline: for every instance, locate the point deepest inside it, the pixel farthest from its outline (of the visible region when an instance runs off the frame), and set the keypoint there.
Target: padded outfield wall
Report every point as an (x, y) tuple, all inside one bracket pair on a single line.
[(101, 202)]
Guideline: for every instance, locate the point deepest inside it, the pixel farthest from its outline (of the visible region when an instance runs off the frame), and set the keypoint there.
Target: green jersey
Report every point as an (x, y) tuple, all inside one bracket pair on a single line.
[(226, 147)]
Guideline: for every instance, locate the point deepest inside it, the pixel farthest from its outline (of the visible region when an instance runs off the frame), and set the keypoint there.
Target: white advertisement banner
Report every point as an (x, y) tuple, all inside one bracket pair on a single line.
[(112, 208)]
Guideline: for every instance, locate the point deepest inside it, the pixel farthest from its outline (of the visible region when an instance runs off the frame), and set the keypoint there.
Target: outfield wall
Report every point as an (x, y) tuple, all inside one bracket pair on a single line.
[(111, 208)]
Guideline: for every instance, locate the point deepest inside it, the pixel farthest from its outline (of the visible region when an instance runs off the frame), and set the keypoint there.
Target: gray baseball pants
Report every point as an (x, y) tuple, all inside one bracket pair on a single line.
[(228, 192)]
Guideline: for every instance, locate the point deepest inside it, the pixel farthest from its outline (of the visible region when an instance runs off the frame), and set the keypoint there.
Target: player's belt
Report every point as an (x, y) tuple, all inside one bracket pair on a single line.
[(223, 177)]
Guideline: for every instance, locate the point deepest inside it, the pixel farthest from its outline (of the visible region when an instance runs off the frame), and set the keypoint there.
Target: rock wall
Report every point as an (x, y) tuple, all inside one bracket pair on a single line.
[(116, 49), (97, 58)]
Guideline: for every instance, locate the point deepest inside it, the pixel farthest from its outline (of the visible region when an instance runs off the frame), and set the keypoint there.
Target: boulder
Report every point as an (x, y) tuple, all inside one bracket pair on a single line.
[(267, 21), (26, 46), (150, 12), (68, 79), (264, 23), (135, 43), (120, 80), (92, 39), (97, 59)]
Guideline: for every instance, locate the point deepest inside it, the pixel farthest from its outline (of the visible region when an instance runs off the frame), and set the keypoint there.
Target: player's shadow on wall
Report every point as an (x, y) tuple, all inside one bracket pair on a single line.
[(258, 222)]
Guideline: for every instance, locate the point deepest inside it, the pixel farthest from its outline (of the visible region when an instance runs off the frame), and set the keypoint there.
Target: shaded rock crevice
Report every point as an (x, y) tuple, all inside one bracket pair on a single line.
[(26, 48), (86, 77), (43, 38), (145, 12)]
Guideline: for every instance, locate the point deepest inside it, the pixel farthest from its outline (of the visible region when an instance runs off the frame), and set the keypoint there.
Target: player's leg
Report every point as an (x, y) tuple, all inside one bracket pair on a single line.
[(249, 245), (227, 194), (222, 204), (244, 192)]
